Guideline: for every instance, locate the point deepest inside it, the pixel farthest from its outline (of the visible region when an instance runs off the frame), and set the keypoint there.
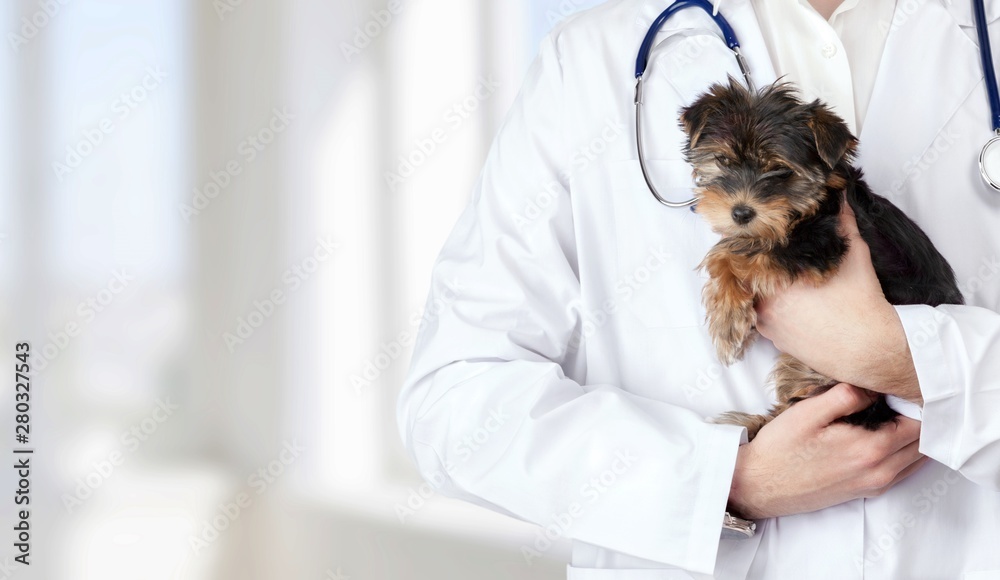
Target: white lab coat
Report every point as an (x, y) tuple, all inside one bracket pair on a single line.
[(567, 376)]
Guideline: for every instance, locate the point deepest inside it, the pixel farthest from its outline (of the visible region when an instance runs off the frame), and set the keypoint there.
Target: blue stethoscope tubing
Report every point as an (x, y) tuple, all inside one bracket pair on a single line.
[(642, 62), (989, 164)]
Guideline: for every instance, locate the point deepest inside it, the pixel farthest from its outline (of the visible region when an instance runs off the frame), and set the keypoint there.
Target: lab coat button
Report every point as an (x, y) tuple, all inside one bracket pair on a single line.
[(829, 50)]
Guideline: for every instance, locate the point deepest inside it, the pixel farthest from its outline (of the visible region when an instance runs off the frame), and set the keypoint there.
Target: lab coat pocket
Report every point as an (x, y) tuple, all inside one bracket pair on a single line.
[(573, 573), (659, 248)]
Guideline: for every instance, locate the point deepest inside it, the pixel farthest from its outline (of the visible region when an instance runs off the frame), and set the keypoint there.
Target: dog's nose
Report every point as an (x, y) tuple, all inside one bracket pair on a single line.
[(743, 214)]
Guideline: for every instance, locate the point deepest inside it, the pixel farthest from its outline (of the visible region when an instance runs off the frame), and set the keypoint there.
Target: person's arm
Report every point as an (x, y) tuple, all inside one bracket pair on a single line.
[(488, 412), (946, 357)]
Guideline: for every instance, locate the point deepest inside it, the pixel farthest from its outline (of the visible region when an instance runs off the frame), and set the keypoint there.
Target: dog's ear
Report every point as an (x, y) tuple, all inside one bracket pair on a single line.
[(695, 117), (834, 140), (719, 97)]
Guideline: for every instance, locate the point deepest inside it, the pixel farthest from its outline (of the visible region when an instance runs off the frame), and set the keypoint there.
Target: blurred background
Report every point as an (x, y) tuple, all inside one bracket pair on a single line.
[(217, 225)]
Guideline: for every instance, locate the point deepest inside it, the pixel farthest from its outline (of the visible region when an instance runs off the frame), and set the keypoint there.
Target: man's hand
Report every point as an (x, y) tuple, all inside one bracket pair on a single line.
[(803, 461), (844, 328)]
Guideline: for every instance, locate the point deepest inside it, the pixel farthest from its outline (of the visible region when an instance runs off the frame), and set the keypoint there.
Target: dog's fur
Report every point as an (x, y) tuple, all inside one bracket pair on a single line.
[(785, 167)]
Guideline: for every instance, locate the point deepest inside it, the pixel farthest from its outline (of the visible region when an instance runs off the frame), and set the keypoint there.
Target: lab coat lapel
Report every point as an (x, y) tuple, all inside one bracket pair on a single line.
[(740, 15), (743, 19), (930, 67), (961, 11)]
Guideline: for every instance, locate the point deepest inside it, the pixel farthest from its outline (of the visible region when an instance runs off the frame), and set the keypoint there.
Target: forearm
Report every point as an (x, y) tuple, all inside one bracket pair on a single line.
[(867, 348), (881, 356)]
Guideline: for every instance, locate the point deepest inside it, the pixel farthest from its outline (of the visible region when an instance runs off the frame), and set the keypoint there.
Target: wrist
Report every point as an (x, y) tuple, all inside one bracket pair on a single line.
[(888, 361), (741, 492)]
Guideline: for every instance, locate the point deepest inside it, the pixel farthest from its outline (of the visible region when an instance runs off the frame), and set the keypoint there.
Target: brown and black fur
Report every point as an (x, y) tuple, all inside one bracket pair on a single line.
[(772, 172)]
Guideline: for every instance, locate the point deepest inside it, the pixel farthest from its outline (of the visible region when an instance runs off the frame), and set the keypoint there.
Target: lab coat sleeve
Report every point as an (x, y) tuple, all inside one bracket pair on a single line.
[(956, 352), (487, 411)]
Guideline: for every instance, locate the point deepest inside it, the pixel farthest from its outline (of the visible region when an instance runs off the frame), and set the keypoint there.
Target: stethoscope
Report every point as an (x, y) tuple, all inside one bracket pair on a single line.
[(989, 158)]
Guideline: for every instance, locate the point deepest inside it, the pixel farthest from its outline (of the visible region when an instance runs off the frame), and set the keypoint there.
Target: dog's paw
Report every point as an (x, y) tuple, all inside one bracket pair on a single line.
[(730, 352), (753, 423), (743, 346), (731, 316), (732, 332), (727, 351)]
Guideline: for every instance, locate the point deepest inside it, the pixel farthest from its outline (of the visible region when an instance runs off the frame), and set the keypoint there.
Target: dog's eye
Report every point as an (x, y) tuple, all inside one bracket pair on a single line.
[(781, 172), (723, 161)]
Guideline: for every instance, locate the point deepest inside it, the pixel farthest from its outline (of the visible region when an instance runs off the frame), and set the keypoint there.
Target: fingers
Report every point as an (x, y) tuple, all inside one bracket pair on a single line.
[(849, 228), (897, 468), (840, 401), (910, 470), (902, 459), (904, 432), (848, 221), (878, 478)]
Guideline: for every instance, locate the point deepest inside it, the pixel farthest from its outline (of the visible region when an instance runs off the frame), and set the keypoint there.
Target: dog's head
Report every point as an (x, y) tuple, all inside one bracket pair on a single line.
[(763, 161)]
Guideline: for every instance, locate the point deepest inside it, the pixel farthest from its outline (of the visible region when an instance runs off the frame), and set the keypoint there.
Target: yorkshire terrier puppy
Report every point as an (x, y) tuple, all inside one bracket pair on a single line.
[(771, 173)]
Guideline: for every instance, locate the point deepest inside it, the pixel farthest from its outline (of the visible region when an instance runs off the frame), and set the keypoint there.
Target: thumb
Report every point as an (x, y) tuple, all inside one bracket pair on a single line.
[(840, 401), (848, 219)]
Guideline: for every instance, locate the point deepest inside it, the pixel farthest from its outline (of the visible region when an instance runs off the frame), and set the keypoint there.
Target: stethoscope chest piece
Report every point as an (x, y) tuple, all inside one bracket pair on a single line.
[(989, 162)]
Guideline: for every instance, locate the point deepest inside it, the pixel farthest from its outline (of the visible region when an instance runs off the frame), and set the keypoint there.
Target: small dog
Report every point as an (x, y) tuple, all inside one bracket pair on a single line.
[(771, 173)]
